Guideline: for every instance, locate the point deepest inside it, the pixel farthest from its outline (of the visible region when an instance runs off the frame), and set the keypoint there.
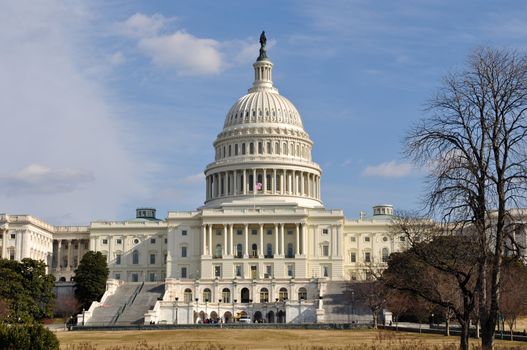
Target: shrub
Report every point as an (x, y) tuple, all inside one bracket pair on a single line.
[(27, 336)]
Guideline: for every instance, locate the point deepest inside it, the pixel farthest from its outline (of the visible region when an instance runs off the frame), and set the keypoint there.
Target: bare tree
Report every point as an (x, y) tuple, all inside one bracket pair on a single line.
[(474, 144), (373, 294)]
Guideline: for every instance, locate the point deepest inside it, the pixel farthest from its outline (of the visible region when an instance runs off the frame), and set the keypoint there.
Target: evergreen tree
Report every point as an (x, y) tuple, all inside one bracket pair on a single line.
[(90, 277)]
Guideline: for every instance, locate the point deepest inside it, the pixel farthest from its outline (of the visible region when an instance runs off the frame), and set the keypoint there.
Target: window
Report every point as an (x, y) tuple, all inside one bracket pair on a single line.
[(290, 250), (366, 239), (165, 259), (353, 239), (325, 271), (238, 271), (239, 250), (184, 232), (152, 277), (183, 252), (118, 259), (402, 238), (289, 232), (218, 233), (269, 232), (12, 236), (217, 271), (268, 271), (254, 232), (385, 254), (135, 277), (251, 148), (353, 257), (264, 295), (260, 148), (239, 232), (136, 241), (152, 258), (254, 249), (119, 241), (243, 148), (367, 257), (325, 231), (217, 252), (385, 239), (302, 293), (290, 271), (166, 240), (236, 149), (226, 295), (117, 276), (207, 295), (269, 250), (187, 295), (325, 250), (104, 241), (135, 257), (282, 294), (183, 272), (152, 241)]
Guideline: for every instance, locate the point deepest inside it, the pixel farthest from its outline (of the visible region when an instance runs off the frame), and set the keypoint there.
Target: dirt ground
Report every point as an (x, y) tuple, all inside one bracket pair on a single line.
[(254, 339)]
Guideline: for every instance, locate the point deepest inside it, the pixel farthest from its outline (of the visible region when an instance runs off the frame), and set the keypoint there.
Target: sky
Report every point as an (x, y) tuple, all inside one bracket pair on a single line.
[(106, 106)]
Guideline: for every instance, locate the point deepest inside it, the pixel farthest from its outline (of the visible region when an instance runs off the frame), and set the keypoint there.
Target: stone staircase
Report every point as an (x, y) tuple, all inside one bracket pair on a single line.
[(127, 305), (341, 305)]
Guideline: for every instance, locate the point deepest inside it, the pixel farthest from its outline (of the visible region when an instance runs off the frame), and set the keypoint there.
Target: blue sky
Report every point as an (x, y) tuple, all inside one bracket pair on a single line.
[(111, 105)]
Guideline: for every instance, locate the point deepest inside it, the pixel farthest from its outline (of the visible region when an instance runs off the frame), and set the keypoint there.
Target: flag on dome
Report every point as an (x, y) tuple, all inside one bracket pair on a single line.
[(259, 186)]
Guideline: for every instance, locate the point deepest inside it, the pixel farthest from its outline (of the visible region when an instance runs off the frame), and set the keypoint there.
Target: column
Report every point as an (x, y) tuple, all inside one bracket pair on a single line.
[(203, 239), (210, 240), (78, 252), (264, 182), (282, 239), (303, 231), (274, 182), (309, 184), (4, 244), (234, 185), (297, 248), (244, 182), (246, 250), (290, 182), (231, 243), (254, 181), (59, 248), (277, 252), (282, 183), (301, 175), (208, 183), (110, 249), (262, 251), (224, 183), (92, 244), (69, 254), (225, 233)]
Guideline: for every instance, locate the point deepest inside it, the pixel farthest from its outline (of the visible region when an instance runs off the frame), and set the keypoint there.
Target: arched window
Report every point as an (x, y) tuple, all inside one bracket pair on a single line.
[(245, 295), (187, 295), (226, 295), (239, 250), (135, 257), (217, 252), (251, 148), (254, 249), (269, 250), (282, 294), (207, 295), (243, 148), (302, 293), (277, 148), (385, 254), (264, 295), (290, 250)]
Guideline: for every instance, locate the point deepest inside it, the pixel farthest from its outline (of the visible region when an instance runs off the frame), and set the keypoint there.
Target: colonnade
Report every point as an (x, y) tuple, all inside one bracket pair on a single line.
[(63, 255), (229, 244), (263, 181)]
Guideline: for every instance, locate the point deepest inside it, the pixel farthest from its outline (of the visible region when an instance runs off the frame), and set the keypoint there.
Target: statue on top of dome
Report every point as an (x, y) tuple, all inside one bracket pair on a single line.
[(263, 42)]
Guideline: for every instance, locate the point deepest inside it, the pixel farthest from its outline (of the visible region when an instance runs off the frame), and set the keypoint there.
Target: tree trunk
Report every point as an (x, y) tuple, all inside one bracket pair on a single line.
[(477, 329), (447, 327), (375, 321), (464, 339)]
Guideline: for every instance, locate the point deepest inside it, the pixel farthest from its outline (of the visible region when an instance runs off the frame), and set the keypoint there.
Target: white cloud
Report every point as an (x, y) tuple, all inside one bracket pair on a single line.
[(388, 169), (140, 25), (39, 179), (193, 179), (117, 58), (184, 52), (54, 113)]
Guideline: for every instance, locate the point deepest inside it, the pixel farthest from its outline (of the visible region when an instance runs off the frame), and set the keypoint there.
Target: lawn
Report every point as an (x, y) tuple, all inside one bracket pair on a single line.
[(259, 339)]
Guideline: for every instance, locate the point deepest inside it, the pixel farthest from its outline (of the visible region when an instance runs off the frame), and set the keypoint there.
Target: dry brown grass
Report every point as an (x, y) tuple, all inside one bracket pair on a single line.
[(261, 339)]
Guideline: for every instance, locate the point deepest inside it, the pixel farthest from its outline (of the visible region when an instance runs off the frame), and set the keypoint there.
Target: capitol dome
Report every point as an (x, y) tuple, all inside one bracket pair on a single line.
[(263, 154)]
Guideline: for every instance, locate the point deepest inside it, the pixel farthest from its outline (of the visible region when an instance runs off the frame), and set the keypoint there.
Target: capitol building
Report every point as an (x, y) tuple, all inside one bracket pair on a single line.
[(263, 245)]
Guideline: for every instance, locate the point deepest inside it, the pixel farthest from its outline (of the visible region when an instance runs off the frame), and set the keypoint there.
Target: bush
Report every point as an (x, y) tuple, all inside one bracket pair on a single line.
[(27, 336)]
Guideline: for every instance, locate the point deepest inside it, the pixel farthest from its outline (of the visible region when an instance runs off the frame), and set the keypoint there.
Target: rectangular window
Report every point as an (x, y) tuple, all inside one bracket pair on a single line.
[(268, 271), (254, 232), (290, 271), (118, 259), (104, 241), (152, 241), (152, 258), (325, 271), (325, 250), (183, 272), (218, 233), (12, 236), (367, 257), (353, 257), (184, 232), (183, 252), (325, 231), (402, 238), (117, 276), (353, 239), (239, 232), (236, 149), (166, 240), (135, 277), (243, 148), (366, 239), (152, 277), (269, 232), (238, 271), (119, 241), (165, 259), (217, 271), (289, 232)]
